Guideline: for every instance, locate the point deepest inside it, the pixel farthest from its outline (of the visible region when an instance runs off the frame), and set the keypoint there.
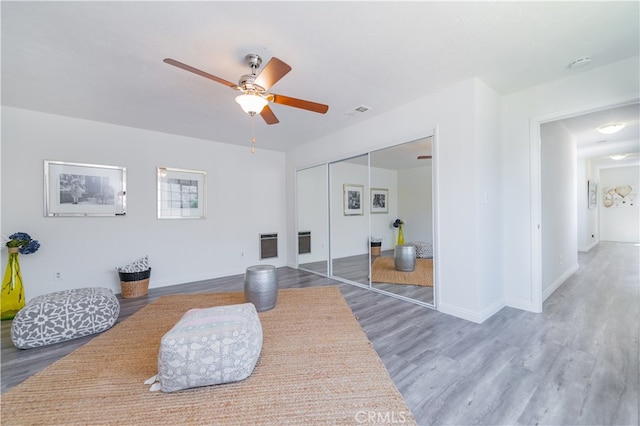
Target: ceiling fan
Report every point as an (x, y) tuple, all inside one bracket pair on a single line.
[(255, 98)]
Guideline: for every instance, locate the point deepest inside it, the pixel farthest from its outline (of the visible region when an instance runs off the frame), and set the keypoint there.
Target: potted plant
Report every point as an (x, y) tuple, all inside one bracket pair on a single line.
[(398, 224), (12, 287)]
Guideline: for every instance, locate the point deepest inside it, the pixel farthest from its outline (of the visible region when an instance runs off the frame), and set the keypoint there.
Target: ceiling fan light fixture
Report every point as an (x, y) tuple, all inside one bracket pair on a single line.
[(610, 129), (252, 104)]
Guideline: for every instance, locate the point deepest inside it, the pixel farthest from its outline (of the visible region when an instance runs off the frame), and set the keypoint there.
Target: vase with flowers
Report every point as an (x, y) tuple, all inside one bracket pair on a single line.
[(398, 224), (12, 297)]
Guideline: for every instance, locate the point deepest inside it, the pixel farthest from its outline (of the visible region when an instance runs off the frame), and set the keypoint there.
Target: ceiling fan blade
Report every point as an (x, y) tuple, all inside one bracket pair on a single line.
[(268, 115), (299, 103), (272, 73), (199, 72), (424, 157)]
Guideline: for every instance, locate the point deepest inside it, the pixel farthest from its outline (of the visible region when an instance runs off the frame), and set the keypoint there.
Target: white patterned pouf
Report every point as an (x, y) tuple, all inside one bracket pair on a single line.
[(64, 315), (210, 346), (423, 250)]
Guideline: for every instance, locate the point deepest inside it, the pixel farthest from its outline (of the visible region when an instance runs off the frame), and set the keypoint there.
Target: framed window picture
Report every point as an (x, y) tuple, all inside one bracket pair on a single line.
[(353, 199), (379, 200), (77, 189), (181, 193)]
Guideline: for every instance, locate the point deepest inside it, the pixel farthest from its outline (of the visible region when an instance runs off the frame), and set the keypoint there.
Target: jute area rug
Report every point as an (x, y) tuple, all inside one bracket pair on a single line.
[(316, 367), (383, 270)]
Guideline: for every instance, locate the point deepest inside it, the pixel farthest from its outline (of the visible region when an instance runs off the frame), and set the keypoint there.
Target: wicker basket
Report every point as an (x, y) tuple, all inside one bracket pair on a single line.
[(376, 246), (134, 284)]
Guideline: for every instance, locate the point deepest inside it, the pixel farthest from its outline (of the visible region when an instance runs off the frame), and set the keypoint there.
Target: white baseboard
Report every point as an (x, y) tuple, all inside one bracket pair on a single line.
[(588, 247), (525, 305), (558, 282), (470, 315)]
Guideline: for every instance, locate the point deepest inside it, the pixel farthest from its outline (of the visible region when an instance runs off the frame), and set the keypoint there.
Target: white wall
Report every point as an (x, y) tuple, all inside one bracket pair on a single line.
[(559, 206), (246, 197), (588, 234), (349, 234), (381, 222), (416, 201), (487, 199), (621, 223), (312, 208), (464, 290), (584, 92)]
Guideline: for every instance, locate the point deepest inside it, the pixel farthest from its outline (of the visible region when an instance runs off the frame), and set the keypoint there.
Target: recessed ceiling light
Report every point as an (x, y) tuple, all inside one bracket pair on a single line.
[(609, 129), (618, 157), (579, 63)]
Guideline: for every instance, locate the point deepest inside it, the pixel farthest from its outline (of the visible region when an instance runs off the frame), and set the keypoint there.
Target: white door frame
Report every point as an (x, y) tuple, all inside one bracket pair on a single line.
[(536, 188)]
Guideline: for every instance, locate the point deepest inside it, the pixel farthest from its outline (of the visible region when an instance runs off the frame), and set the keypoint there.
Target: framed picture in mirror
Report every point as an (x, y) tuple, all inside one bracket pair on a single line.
[(353, 199), (379, 200)]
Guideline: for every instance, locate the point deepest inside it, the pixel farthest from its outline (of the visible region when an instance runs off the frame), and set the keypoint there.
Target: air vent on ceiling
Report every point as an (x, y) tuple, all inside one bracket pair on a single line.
[(358, 110)]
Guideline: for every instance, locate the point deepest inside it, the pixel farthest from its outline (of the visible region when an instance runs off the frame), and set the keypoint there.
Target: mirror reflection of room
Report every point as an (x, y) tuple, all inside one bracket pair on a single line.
[(313, 227), (405, 173), (351, 213), (350, 219)]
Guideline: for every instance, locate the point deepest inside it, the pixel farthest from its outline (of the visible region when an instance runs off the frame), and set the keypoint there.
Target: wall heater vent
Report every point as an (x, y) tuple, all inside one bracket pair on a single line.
[(268, 246), (304, 242)]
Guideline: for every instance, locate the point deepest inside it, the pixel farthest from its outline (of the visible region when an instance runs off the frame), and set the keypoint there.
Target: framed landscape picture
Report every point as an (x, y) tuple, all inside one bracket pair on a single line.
[(379, 200), (353, 199), (181, 193), (77, 189)]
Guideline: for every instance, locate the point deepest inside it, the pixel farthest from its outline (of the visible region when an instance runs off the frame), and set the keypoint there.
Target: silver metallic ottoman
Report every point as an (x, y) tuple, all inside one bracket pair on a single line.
[(261, 286), (404, 258)]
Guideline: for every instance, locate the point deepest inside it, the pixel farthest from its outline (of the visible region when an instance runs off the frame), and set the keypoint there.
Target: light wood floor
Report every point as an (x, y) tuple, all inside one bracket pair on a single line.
[(356, 268), (575, 364)]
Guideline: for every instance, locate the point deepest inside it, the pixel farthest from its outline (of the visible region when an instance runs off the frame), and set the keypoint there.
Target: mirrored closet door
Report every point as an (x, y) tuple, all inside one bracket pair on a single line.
[(313, 222), (346, 215), (349, 218), (403, 174)]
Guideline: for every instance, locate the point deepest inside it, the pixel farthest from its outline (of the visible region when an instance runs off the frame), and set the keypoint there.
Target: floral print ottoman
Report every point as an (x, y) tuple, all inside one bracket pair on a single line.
[(64, 315)]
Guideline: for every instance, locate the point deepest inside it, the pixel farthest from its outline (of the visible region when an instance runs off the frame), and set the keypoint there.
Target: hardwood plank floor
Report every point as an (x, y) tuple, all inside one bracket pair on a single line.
[(356, 269), (577, 363)]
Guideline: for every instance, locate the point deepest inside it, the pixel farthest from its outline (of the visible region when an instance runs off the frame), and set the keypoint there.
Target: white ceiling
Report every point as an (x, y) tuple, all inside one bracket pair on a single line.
[(599, 147), (103, 60)]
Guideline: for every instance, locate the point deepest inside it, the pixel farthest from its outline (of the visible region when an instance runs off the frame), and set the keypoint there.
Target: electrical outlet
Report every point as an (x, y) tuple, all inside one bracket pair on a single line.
[(57, 276)]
